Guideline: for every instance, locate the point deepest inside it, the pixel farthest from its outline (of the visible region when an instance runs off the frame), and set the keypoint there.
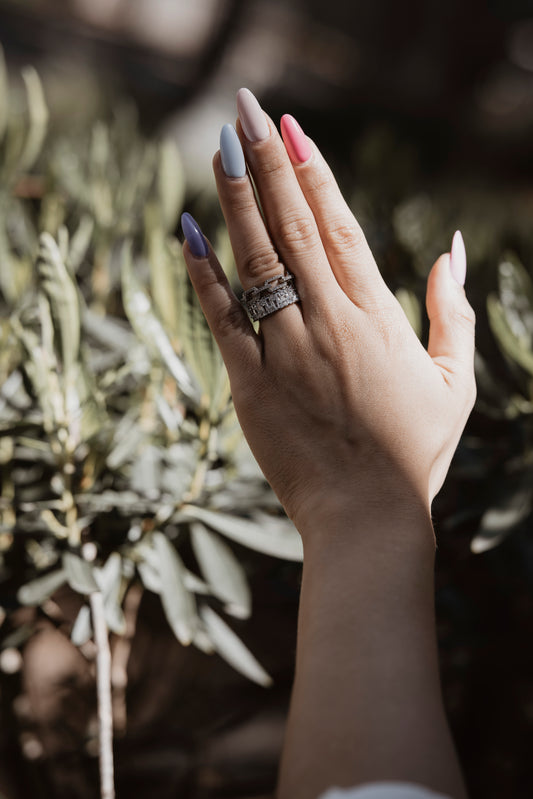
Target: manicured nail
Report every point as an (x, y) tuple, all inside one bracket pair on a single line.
[(295, 140), (251, 114), (458, 258), (195, 238), (231, 153)]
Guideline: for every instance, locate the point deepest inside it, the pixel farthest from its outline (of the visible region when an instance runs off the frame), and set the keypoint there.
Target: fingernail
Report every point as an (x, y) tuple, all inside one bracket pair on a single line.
[(195, 238), (251, 114), (295, 140), (231, 153), (458, 258)]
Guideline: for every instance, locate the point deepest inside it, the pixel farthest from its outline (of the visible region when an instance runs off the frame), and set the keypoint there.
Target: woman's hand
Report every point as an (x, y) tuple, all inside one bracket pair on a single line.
[(339, 401)]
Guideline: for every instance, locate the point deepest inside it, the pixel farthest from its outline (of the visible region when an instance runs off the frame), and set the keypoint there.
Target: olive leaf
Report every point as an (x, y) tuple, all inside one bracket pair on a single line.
[(232, 649), (149, 329), (511, 312), (222, 571), (38, 119), (82, 629), (79, 574), (63, 297), (513, 344), (36, 591), (178, 604), (500, 519), (149, 570), (265, 533), (170, 183), (163, 282), (4, 95), (80, 241), (411, 308)]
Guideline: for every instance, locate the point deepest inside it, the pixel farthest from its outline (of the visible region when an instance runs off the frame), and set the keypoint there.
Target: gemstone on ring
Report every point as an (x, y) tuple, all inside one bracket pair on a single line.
[(276, 293)]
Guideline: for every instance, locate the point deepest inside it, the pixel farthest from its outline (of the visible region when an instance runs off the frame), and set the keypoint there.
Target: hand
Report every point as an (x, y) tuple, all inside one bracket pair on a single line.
[(337, 397)]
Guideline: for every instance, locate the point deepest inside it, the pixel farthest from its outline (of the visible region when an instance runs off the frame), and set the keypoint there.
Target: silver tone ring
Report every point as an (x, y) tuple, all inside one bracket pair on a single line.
[(275, 293)]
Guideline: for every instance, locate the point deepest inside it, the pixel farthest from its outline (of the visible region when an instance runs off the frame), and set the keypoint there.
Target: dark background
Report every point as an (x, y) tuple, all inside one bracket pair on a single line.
[(420, 98)]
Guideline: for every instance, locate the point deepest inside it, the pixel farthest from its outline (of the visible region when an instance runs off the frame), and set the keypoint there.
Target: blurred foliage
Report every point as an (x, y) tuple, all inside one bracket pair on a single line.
[(121, 458), (409, 217)]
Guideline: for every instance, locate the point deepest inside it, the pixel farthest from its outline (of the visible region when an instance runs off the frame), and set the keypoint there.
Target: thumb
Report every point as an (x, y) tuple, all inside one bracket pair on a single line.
[(451, 318)]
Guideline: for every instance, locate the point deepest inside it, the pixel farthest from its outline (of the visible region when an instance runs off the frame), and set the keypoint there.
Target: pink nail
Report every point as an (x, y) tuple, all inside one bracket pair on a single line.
[(458, 258), (295, 140), (252, 118)]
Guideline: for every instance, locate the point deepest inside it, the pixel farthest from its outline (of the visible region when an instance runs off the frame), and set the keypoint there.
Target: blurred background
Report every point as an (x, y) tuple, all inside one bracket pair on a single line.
[(425, 111)]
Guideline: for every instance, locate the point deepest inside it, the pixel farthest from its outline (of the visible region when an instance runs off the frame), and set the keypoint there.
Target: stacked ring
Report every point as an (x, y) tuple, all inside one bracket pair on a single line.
[(276, 293)]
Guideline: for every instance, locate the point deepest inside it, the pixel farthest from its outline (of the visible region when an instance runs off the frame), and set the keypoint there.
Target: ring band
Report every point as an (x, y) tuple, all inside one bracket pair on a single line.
[(275, 293)]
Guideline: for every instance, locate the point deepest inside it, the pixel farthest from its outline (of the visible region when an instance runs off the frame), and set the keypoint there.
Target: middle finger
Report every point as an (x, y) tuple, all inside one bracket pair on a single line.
[(288, 217)]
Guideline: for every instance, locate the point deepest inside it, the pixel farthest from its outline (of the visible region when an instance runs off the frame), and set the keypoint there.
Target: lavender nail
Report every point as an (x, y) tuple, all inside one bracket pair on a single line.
[(195, 238)]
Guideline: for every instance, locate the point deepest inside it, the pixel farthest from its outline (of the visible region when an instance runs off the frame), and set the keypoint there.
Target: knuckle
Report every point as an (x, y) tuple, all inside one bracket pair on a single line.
[(342, 237), (271, 164), (257, 263), (205, 280), (466, 316), (228, 320), (296, 232), (241, 203), (319, 184)]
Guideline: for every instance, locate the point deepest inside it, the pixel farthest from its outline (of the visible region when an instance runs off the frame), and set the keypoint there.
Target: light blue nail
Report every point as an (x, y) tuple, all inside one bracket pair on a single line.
[(231, 153)]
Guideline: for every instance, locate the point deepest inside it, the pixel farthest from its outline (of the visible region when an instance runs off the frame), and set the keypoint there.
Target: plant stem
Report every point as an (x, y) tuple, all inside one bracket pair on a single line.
[(103, 685)]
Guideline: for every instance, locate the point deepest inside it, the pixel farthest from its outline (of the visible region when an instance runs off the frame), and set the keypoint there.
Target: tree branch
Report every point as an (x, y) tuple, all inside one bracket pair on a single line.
[(103, 684)]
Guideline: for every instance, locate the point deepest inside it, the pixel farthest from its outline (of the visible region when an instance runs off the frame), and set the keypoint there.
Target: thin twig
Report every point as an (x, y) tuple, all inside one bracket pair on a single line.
[(103, 685)]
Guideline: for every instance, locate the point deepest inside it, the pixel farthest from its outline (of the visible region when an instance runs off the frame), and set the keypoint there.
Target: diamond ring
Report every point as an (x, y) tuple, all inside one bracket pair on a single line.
[(276, 293)]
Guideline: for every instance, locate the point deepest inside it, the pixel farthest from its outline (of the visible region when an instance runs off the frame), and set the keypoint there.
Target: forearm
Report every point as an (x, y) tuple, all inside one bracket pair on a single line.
[(366, 703)]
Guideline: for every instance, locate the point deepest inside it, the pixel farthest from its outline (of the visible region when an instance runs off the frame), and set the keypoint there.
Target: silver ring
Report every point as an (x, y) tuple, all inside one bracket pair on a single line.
[(275, 293)]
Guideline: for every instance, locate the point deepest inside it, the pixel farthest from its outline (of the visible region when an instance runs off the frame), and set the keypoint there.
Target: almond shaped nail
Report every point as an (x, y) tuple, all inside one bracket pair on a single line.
[(296, 141), (231, 153), (458, 258), (195, 238), (253, 120)]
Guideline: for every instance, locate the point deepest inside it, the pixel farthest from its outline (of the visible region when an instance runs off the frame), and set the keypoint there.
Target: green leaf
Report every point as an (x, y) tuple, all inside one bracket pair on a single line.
[(19, 636), (411, 308), (80, 241), (79, 574), (62, 294), (163, 282), (170, 184), (273, 535), (178, 603), (512, 343), (36, 591), (516, 295), (149, 329), (150, 577), (199, 348), (82, 629), (128, 437), (232, 649), (499, 521), (149, 570), (146, 471), (222, 571), (4, 95), (38, 119)]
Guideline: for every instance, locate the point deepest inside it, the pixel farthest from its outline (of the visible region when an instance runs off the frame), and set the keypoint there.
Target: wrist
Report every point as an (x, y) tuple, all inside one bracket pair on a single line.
[(376, 514)]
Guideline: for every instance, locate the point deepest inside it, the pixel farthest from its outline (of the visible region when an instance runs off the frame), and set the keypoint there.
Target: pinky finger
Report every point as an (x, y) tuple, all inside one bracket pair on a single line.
[(229, 323)]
